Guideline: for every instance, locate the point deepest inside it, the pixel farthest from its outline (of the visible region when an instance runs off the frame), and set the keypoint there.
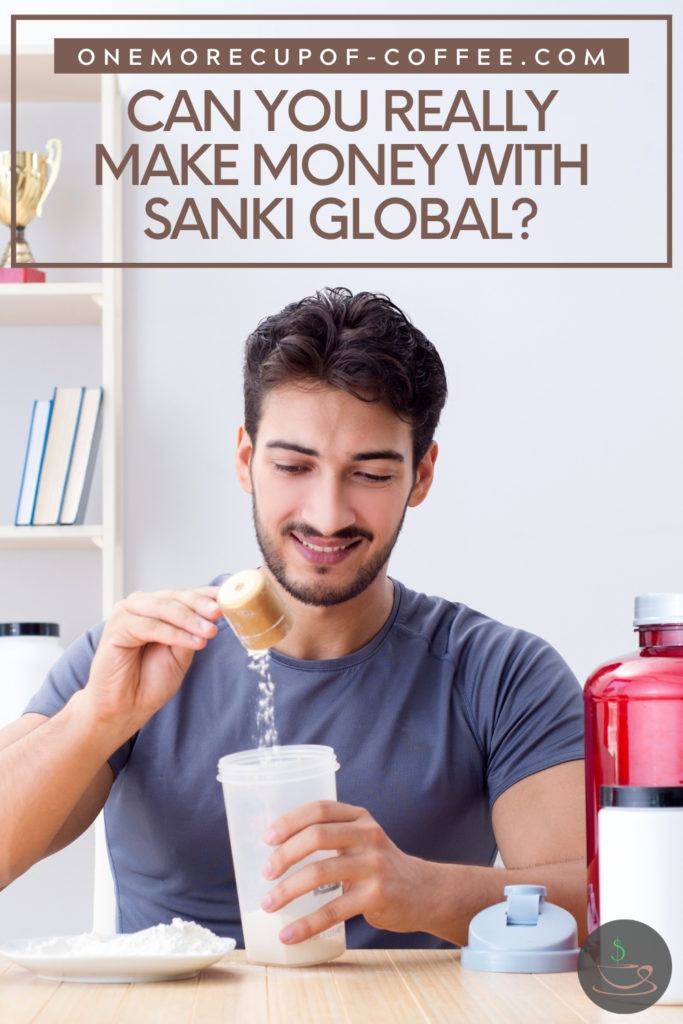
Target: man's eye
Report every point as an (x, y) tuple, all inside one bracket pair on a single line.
[(295, 469)]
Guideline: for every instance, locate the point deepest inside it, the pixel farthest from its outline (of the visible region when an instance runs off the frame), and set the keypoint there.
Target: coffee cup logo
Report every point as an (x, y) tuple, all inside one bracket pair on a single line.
[(35, 175), (624, 966)]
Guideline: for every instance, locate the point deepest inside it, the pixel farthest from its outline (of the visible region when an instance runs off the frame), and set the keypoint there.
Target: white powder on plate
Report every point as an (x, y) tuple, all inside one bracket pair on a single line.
[(180, 936)]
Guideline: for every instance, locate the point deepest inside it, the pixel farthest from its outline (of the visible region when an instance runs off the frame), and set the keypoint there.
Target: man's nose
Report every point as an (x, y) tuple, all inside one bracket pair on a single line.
[(326, 506)]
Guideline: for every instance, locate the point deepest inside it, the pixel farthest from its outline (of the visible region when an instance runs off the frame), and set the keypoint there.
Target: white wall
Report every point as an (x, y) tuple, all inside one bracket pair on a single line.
[(558, 494)]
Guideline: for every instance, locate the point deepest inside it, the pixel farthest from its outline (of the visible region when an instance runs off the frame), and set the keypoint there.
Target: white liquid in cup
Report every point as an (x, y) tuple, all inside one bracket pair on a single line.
[(259, 786), (261, 932)]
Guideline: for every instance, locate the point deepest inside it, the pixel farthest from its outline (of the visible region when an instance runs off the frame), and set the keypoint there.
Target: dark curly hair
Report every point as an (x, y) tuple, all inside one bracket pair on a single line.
[(362, 344)]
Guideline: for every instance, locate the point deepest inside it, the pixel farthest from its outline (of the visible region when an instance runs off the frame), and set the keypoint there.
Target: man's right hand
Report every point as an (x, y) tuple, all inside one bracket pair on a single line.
[(146, 648)]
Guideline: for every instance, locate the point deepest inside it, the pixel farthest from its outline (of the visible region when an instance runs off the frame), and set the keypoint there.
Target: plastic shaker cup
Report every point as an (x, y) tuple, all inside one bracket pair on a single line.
[(259, 785)]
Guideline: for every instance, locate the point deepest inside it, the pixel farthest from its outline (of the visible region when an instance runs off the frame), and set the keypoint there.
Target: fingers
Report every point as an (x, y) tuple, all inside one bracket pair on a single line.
[(315, 837), (154, 631), (202, 599), (332, 913), (323, 871), (310, 814), (175, 618), (195, 600)]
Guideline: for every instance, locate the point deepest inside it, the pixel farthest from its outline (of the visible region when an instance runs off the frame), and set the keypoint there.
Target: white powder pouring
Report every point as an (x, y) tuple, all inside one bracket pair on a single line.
[(185, 937), (259, 662)]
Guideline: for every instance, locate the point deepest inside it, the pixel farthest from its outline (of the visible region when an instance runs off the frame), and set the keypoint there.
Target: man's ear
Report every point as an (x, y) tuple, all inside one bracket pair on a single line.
[(424, 476), (243, 454)]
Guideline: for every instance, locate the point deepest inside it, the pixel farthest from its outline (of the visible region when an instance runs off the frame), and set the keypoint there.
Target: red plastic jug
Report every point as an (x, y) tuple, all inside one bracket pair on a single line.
[(634, 719)]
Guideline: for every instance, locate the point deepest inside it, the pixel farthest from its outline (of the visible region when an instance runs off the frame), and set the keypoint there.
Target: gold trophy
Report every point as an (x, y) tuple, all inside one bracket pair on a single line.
[(35, 175)]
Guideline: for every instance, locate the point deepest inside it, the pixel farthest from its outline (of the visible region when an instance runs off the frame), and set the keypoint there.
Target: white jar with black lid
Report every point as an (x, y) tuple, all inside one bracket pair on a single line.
[(28, 650), (640, 841)]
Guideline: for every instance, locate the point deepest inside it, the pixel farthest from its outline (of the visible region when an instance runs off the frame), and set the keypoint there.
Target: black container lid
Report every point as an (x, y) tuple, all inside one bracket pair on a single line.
[(29, 629), (641, 796)]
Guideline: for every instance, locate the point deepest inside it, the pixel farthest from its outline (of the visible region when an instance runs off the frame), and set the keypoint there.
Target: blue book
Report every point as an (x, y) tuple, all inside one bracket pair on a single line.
[(33, 461), (83, 459), (66, 411)]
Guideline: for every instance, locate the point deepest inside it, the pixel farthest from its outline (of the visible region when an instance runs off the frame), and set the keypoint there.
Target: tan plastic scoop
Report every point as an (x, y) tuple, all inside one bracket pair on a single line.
[(254, 610)]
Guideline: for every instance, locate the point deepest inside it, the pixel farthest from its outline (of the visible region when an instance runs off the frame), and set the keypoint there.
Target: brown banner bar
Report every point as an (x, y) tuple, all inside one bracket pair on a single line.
[(332, 56)]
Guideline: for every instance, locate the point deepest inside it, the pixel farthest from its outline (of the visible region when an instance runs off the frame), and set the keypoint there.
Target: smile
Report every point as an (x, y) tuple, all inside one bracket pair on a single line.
[(316, 547), (324, 554)]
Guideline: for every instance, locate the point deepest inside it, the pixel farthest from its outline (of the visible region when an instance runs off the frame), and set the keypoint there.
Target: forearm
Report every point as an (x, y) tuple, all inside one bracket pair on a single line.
[(454, 893), (43, 775)]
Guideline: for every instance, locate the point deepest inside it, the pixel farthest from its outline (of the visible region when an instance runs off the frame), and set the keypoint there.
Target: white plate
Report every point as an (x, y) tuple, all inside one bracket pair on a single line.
[(64, 966)]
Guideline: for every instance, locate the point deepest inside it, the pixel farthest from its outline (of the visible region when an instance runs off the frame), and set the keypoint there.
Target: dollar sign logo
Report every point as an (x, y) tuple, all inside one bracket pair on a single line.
[(621, 952)]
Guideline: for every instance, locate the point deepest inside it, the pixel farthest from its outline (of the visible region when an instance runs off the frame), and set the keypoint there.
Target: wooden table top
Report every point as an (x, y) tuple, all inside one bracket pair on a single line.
[(404, 986)]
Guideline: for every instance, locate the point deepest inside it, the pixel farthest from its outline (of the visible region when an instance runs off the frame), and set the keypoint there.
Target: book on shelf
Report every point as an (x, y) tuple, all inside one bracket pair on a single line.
[(66, 409), (60, 458), (33, 460), (83, 460)]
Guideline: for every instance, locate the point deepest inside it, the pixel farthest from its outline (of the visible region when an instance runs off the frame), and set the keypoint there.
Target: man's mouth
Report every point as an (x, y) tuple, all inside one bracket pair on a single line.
[(326, 547), (325, 552)]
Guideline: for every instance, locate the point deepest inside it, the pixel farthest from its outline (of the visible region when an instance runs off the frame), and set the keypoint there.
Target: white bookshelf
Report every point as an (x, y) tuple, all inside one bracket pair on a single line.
[(50, 304), (95, 303), (26, 538)]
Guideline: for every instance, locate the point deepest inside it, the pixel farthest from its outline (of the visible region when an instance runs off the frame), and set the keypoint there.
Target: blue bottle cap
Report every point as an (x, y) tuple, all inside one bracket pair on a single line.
[(523, 935)]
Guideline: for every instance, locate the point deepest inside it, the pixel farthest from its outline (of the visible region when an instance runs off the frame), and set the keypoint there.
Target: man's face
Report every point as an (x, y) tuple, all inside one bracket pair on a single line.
[(331, 477)]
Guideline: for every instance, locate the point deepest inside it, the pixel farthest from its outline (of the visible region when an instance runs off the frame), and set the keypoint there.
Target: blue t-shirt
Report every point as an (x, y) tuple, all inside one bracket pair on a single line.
[(431, 721)]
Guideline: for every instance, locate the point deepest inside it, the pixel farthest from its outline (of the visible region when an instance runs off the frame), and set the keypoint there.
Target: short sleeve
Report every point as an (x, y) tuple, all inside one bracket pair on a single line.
[(69, 674), (527, 707)]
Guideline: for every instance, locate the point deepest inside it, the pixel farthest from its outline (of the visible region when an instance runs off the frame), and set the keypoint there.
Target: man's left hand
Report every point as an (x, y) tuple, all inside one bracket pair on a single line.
[(380, 882)]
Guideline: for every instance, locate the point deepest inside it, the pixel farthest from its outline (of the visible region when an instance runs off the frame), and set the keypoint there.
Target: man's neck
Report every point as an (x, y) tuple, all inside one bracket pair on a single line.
[(336, 630)]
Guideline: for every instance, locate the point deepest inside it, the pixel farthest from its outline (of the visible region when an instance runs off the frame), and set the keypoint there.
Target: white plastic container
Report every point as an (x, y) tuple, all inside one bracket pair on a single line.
[(28, 650), (640, 839), (259, 785)]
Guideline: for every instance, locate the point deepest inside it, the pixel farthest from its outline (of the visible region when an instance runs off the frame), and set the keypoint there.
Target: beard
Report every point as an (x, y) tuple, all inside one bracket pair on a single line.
[(320, 593)]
